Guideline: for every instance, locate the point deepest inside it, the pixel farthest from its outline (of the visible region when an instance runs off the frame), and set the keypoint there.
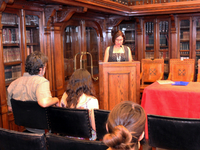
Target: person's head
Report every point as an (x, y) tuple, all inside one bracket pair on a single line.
[(36, 63), (80, 82), (125, 125), (118, 38)]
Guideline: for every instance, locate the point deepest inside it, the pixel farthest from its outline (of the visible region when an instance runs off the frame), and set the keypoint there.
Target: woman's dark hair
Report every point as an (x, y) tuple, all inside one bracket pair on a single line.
[(34, 62), (117, 34), (126, 123), (80, 82)]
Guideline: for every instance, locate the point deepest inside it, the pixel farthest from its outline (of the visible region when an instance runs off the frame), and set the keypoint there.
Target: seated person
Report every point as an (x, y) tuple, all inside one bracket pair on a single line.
[(125, 126), (32, 86), (80, 94)]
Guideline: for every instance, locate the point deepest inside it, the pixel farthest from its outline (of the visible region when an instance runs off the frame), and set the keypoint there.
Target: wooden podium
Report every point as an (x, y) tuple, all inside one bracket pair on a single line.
[(118, 81)]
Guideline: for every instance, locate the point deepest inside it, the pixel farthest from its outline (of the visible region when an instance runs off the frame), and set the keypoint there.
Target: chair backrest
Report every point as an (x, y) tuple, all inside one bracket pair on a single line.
[(101, 117), (182, 70), (14, 140), (29, 114), (174, 133), (152, 70), (68, 121), (62, 143)]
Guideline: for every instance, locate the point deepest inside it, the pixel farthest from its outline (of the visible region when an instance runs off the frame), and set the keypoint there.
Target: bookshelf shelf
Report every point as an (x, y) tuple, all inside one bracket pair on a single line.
[(11, 45), (12, 63)]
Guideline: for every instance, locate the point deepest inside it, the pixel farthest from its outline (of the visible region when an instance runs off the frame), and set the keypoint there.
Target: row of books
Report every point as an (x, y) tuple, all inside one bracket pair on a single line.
[(149, 27), (184, 46), (198, 45), (198, 35), (185, 35), (149, 40), (29, 36), (12, 72), (9, 19), (184, 53), (149, 55), (10, 35), (11, 54), (163, 26), (163, 40), (164, 55)]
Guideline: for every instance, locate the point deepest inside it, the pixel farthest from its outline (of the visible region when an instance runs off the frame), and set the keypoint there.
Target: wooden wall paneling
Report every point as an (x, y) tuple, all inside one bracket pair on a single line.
[(118, 82)]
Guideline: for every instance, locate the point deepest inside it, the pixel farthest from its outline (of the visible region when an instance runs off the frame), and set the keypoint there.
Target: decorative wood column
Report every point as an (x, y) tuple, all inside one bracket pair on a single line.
[(4, 123), (139, 38), (174, 52)]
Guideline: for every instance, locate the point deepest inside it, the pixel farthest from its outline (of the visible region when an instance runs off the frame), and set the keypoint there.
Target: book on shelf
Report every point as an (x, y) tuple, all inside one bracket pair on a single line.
[(11, 54), (12, 72), (10, 35), (9, 18)]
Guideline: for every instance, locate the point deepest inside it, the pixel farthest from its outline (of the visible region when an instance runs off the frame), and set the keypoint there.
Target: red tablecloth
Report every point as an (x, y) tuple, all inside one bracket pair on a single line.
[(171, 100)]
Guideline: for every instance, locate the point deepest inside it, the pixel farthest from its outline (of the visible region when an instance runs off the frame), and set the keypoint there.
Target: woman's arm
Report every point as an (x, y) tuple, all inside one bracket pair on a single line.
[(129, 55), (106, 55)]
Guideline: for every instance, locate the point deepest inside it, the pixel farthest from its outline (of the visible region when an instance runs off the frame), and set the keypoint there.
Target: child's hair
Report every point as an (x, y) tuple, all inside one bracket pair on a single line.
[(80, 82), (125, 124)]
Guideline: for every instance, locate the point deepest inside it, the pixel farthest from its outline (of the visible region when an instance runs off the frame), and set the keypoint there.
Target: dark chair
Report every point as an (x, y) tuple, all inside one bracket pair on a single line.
[(62, 143), (68, 121), (14, 140), (173, 133), (101, 117), (29, 114)]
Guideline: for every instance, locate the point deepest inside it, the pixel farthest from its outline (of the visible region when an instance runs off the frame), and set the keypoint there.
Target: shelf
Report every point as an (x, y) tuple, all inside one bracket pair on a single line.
[(163, 50), (149, 50), (128, 41), (149, 45), (11, 45), (129, 30), (13, 63), (185, 27), (184, 40), (32, 44), (10, 26), (32, 26)]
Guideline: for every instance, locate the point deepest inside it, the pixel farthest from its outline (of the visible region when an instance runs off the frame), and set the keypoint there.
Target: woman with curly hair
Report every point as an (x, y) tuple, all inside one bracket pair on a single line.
[(80, 94), (125, 126)]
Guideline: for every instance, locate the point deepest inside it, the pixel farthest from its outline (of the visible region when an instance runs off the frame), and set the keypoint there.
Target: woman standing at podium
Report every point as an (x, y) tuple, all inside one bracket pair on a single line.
[(118, 52)]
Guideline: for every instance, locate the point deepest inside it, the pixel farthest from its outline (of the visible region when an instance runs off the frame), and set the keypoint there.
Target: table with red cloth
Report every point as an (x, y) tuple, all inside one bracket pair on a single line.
[(172, 100)]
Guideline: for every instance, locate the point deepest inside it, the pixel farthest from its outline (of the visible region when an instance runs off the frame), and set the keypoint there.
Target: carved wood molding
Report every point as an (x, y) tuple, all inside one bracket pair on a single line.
[(49, 13), (3, 4), (113, 21), (65, 15), (100, 24), (138, 26), (173, 24)]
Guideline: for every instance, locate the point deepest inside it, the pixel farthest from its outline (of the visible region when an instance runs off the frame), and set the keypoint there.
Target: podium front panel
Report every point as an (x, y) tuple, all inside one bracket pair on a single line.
[(119, 81)]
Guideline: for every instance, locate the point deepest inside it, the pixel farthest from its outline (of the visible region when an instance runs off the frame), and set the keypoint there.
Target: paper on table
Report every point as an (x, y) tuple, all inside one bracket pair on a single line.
[(165, 81)]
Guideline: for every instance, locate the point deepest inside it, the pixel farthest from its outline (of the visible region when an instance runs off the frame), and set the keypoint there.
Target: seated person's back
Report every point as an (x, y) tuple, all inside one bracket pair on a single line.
[(80, 94)]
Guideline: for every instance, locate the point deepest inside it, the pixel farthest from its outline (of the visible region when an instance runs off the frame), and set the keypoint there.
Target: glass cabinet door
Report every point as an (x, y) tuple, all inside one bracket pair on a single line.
[(70, 48), (11, 47), (184, 47), (164, 44), (32, 33), (129, 31), (92, 48), (149, 40)]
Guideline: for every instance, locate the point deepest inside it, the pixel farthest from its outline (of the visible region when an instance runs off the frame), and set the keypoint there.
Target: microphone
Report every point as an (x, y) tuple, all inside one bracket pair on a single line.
[(120, 45)]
